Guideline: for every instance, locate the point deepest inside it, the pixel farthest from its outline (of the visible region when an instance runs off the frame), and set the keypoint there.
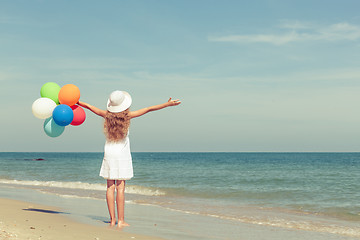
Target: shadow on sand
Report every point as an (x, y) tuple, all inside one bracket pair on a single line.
[(43, 211)]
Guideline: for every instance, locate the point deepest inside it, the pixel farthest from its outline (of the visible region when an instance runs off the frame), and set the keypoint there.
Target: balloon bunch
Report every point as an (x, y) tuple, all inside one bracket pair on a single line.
[(57, 107)]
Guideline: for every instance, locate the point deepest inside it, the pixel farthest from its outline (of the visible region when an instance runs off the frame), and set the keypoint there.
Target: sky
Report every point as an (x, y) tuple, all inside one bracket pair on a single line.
[(253, 76)]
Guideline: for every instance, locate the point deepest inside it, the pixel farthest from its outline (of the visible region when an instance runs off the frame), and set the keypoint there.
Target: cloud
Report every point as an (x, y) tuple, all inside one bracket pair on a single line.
[(264, 38), (295, 25), (7, 20), (14, 20), (297, 32)]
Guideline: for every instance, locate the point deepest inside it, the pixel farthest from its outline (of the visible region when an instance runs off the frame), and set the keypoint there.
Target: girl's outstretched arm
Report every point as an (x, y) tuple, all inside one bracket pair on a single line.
[(143, 111), (94, 109)]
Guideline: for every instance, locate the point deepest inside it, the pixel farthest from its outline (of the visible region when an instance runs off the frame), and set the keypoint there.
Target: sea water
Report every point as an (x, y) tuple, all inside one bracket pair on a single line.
[(304, 191)]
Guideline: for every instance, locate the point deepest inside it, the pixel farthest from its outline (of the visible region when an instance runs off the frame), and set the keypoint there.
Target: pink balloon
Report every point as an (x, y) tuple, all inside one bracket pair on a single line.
[(79, 115)]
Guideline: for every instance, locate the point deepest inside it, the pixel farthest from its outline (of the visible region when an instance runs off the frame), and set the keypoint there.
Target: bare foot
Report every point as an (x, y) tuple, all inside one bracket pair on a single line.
[(112, 223), (123, 224)]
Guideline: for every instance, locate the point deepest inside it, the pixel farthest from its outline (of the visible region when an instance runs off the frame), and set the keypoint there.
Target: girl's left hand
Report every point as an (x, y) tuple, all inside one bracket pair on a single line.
[(173, 102)]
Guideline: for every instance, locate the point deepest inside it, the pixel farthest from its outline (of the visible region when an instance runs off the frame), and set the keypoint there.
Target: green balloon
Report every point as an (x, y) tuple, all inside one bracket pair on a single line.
[(50, 90)]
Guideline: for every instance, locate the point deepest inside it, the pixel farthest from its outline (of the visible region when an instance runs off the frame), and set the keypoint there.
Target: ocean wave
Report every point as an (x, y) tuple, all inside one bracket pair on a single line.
[(306, 225), (56, 184), (147, 191), (131, 189)]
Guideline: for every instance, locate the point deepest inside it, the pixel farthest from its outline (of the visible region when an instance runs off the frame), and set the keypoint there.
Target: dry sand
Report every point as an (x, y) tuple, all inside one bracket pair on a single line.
[(22, 220)]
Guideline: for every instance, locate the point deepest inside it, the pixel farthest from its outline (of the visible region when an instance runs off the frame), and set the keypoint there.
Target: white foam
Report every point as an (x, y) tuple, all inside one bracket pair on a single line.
[(316, 226), (132, 189), (57, 184)]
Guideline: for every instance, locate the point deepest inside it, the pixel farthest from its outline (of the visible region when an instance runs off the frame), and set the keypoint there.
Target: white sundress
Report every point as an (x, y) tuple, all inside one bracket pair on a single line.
[(117, 161)]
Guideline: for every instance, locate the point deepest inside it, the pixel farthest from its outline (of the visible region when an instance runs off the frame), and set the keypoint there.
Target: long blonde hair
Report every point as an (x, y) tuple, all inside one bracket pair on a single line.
[(116, 125)]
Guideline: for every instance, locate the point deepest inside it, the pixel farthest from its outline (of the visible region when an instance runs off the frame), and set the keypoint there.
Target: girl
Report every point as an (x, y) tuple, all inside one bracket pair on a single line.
[(117, 162)]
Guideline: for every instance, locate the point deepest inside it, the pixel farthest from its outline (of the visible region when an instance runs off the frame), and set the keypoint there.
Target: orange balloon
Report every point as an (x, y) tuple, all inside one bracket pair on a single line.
[(69, 94)]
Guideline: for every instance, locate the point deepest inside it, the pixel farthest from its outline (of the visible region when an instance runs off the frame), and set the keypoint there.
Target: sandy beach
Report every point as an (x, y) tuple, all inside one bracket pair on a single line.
[(49, 216), (23, 220)]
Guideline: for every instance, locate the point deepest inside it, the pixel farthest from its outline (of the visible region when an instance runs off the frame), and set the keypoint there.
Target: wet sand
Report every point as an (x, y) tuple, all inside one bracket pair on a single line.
[(23, 220)]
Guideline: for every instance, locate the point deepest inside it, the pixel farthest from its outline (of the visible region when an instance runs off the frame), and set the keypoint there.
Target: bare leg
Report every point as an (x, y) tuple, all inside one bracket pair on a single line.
[(110, 192), (120, 202)]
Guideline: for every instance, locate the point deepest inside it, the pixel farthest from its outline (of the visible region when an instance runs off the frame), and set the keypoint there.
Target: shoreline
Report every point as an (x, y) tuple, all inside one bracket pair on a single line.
[(25, 220), (153, 222)]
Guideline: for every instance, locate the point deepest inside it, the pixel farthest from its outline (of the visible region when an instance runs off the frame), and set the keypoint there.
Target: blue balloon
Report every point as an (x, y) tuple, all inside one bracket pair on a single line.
[(52, 129), (63, 115)]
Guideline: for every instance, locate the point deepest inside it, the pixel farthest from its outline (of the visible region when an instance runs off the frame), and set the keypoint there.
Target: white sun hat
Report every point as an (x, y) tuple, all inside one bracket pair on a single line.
[(118, 101)]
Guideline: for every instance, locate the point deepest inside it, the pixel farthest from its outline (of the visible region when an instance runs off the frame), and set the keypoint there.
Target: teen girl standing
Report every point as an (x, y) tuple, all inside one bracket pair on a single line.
[(117, 162)]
